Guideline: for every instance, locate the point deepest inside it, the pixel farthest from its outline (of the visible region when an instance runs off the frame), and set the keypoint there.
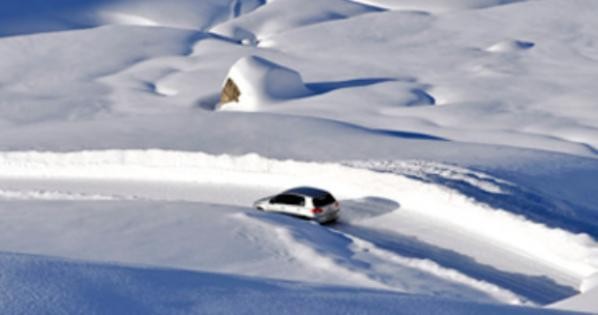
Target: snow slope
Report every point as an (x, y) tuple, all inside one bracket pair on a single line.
[(459, 135), (33, 16), (585, 302), (94, 288)]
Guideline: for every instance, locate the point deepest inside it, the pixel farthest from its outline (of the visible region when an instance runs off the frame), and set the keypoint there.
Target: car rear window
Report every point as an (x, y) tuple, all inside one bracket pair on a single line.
[(324, 200)]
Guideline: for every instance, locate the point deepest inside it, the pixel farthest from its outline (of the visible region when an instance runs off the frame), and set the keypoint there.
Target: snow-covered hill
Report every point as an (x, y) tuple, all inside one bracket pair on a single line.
[(459, 135)]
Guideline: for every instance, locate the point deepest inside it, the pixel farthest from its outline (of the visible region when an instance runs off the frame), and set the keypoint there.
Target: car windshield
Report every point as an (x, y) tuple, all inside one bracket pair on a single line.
[(324, 200)]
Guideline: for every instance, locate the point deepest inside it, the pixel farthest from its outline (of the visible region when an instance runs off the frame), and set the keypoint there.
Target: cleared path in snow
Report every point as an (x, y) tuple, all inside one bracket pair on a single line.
[(413, 231)]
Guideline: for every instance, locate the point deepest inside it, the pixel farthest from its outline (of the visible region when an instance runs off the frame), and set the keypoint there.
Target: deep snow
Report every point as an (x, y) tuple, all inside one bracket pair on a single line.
[(91, 288), (460, 136)]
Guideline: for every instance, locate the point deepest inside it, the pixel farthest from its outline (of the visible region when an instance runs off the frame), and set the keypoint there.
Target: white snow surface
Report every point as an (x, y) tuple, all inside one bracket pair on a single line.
[(574, 253), (262, 82), (92, 288), (460, 137)]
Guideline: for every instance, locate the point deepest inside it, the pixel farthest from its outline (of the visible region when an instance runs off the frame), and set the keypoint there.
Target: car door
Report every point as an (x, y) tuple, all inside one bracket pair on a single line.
[(277, 203), (295, 205), (291, 204)]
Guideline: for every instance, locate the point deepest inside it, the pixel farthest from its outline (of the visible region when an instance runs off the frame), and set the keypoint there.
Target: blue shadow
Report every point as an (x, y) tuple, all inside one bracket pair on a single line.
[(538, 289), (527, 203), (325, 87)]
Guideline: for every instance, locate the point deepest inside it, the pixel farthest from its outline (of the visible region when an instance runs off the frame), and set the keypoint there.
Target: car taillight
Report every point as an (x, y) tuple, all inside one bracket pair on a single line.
[(316, 210)]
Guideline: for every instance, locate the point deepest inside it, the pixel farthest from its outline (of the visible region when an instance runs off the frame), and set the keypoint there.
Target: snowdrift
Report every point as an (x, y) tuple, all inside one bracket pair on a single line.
[(572, 253), (275, 18), (261, 82)]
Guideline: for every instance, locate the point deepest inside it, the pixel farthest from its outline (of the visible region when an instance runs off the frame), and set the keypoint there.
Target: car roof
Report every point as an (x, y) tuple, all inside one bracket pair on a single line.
[(307, 191)]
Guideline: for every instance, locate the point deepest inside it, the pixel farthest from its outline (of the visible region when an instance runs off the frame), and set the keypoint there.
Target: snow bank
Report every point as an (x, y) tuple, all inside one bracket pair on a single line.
[(262, 82), (575, 254), (43, 285)]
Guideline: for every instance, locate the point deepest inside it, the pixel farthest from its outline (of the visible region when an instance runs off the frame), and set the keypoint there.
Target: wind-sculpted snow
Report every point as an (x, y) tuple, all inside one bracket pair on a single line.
[(32, 16), (459, 135), (274, 18), (491, 84), (570, 252)]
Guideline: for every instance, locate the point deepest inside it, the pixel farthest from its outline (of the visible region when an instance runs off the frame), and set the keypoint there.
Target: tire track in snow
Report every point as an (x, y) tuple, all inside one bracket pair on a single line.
[(336, 252), (572, 254)]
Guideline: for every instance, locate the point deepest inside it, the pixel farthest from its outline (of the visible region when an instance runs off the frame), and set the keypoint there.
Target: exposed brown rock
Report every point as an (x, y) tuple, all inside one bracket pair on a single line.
[(230, 92)]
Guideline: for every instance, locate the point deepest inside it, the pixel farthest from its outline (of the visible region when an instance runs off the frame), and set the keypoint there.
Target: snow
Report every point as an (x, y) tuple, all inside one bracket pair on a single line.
[(91, 288), (275, 18), (460, 137), (30, 17), (262, 82), (571, 254), (585, 302), (507, 46), (436, 6)]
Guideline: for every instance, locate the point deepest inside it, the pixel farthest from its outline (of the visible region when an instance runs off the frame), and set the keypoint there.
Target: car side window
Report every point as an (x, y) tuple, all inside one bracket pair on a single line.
[(324, 200), (277, 199), (296, 200), (288, 200)]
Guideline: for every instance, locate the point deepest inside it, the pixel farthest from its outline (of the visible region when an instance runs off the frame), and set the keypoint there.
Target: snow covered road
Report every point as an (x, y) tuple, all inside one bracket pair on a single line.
[(459, 135), (389, 236)]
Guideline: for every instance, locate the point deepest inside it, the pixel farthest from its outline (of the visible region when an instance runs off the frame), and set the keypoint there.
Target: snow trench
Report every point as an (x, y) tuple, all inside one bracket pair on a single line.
[(575, 254)]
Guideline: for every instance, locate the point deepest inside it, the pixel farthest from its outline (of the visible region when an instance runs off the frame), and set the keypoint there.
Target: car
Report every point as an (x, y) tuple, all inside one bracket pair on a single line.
[(307, 202)]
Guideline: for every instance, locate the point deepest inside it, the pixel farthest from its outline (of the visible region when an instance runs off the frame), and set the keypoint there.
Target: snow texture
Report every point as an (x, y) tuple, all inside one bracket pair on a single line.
[(262, 82), (459, 135)]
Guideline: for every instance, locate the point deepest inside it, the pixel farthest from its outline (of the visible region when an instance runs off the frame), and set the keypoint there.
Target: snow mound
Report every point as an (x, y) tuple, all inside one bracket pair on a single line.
[(510, 46), (275, 18), (262, 82)]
